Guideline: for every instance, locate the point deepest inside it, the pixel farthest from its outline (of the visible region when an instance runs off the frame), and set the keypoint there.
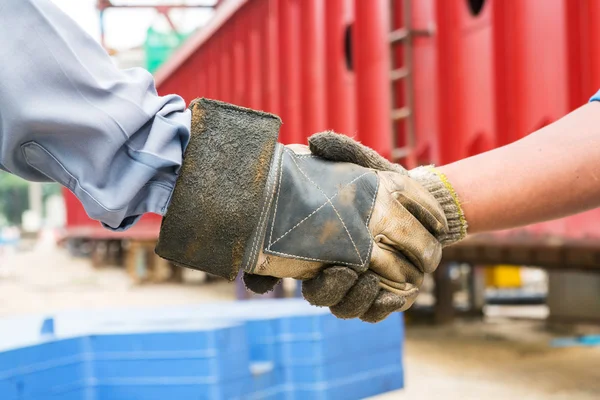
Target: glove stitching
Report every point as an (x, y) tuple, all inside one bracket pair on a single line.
[(276, 201), (263, 217), (306, 156), (319, 208), (315, 259), (371, 244), (334, 209)]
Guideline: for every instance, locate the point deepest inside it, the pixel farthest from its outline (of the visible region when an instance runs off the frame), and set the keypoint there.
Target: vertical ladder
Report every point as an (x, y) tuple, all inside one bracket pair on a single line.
[(403, 36)]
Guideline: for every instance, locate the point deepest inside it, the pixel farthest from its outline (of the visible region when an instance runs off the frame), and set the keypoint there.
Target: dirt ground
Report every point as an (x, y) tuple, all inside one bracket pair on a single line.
[(48, 280), (498, 359)]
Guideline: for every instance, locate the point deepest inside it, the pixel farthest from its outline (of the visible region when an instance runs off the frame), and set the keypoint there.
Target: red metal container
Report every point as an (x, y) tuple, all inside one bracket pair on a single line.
[(531, 65), (426, 81), (339, 76), (466, 100), (583, 48), (490, 72), (372, 66)]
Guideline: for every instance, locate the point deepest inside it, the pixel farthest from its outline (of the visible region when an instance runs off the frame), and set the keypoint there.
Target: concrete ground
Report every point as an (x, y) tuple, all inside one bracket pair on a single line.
[(498, 359), (495, 360), (48, 280)]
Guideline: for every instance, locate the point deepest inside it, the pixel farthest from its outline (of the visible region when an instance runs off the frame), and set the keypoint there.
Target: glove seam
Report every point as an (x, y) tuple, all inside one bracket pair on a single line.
[(271, 251), (292, 157), (318, 209), (264, 216)]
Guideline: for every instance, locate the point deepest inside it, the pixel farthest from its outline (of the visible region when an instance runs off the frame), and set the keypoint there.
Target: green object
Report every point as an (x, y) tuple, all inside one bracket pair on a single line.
[(160, 45), (14, 197)]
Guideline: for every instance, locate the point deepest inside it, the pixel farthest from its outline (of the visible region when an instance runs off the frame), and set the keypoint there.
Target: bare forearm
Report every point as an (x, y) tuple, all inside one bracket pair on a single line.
[(549, 174)]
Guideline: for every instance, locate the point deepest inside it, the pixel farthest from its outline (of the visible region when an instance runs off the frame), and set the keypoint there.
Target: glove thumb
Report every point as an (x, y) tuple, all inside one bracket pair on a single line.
[(260, 284), (336, 147)]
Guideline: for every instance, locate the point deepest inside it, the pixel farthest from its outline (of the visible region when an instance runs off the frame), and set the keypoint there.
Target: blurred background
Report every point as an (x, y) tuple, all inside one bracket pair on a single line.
[(89, 313)]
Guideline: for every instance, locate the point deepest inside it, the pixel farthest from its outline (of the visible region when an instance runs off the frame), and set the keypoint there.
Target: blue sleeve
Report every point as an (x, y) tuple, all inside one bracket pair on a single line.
[(596, 97), (67, 114)]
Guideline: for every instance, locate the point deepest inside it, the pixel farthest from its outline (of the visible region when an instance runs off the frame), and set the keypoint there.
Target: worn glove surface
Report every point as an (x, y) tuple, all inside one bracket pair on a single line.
[(336, 147), (359, 231), (360, 239), (394, 280)]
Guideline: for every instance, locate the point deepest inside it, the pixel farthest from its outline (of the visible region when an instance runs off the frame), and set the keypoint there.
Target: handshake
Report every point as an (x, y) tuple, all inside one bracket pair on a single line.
[(357, 230)]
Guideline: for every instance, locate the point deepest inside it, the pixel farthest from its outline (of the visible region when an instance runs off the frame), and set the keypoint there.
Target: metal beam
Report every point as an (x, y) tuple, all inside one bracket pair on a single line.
[(529, 250), (104, 4)]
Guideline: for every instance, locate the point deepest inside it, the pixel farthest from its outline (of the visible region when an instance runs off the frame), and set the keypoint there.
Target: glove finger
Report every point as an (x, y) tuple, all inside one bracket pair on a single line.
[(398, 230), (385, 304), (359, 298), (335, 147), (260, 284), (417, 200), (329, 287), (395, 270)]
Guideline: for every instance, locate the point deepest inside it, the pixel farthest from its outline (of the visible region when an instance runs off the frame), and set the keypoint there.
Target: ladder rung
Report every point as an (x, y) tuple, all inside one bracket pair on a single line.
[(402, 34), (400, 113), (421, 32), (400, 152), (399, 73), (399, 35)]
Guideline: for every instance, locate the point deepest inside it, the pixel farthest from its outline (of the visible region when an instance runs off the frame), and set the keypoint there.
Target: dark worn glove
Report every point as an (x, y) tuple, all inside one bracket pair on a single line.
[(244, 201), (388, 287), (332, 221)]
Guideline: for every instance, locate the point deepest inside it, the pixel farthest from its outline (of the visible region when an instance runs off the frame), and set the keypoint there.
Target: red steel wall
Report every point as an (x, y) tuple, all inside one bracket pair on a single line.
[(491, 72)]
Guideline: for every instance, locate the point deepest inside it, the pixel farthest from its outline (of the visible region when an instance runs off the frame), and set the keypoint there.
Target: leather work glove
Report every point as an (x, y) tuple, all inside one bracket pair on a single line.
[(343, 219), (360, 234), (341, 148), (408, 225)]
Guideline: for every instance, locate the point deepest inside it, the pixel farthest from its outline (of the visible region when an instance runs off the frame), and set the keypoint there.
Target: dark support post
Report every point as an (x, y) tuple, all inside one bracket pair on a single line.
[(476, 290), (444, 294)]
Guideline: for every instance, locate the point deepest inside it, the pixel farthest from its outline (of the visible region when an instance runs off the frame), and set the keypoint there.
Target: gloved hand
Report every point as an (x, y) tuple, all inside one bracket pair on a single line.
[(408, 226), (333, 221), (358, 236), (341, 148)]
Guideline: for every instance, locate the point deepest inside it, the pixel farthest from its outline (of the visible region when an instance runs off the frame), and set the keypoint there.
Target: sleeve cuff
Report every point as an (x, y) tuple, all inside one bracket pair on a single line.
[(153, 198)]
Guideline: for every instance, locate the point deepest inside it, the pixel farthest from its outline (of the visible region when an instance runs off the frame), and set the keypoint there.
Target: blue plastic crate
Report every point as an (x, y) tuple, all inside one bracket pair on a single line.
[(49, 367), (264, 349), (156, 389), (81, 392), (341, 368), (267, 382), (211, 354), (352, 387)]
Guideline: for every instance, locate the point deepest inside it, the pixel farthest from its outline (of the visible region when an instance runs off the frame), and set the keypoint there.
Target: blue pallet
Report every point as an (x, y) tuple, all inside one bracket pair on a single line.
[(78, 392), (353, 387), (48, 367), (341, 368), (267, 382), (128, 389), (206, 354), (265, 349), (310, 339)]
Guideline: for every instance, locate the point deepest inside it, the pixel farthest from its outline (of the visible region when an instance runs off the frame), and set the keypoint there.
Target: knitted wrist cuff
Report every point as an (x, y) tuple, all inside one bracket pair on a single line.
[(438, 185)]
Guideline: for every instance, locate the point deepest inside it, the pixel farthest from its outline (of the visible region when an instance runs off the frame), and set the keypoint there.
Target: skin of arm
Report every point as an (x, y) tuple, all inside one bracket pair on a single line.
[(551, 173)]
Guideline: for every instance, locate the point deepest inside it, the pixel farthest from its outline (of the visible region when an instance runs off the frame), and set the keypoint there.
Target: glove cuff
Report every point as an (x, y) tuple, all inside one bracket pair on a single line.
[(438, 185), (219, 196)]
